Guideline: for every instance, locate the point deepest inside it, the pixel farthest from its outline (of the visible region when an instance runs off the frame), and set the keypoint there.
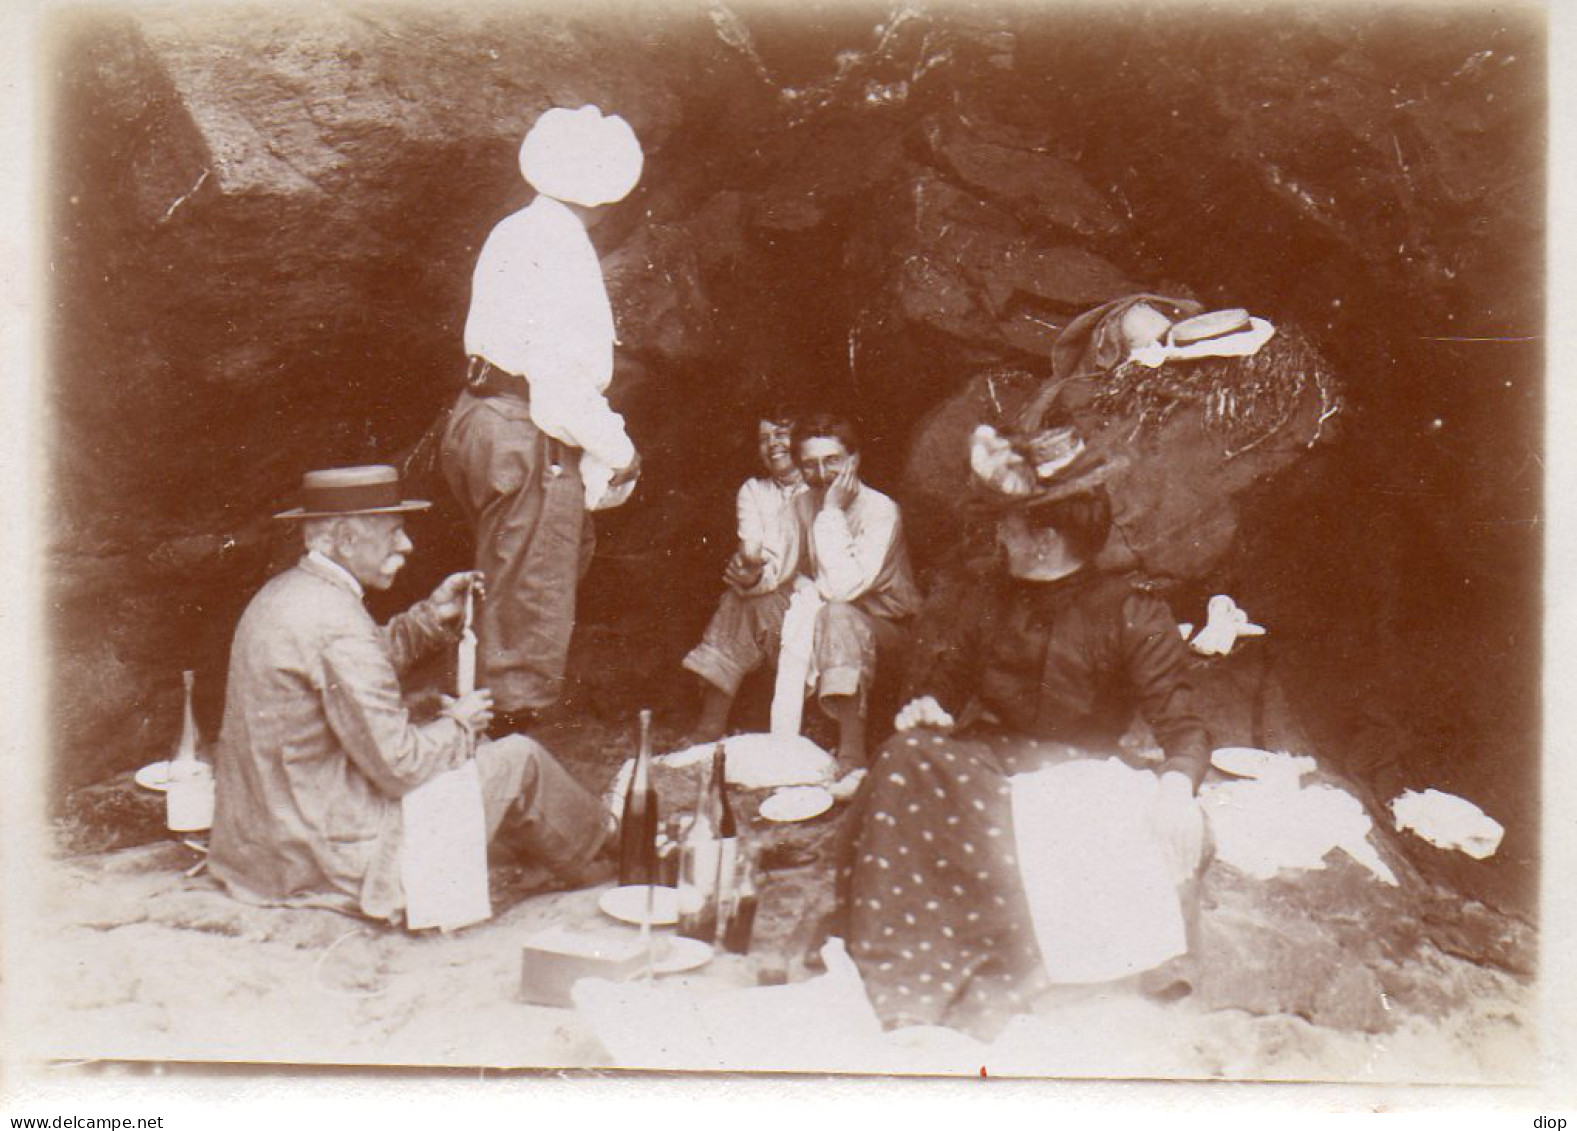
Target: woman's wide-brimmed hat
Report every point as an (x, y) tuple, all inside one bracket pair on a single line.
[(581, 156), (1021, 472), (374, 489)]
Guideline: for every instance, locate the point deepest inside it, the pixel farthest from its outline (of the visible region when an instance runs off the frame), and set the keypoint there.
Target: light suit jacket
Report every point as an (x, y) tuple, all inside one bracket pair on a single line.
[(317, 748)]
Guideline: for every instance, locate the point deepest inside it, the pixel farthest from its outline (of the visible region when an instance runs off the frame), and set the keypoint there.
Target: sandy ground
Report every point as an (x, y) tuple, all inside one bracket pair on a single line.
[(135, 960)]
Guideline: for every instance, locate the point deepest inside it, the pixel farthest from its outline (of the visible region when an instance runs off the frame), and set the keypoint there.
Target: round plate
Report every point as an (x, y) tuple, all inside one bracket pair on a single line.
[(1252, 762), (155, 775), (628, 905), (677, 954), (796, 803)]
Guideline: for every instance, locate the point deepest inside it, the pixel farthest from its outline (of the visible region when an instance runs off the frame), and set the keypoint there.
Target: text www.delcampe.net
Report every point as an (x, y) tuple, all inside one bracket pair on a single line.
[(86, 1122)]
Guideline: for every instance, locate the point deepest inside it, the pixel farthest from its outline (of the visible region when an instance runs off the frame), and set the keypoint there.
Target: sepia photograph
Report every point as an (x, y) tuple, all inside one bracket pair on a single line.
[(851, 540)]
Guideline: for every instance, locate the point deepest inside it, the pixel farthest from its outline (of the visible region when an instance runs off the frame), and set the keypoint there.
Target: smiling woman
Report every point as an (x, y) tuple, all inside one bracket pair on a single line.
[(864, 211), (265, 224)]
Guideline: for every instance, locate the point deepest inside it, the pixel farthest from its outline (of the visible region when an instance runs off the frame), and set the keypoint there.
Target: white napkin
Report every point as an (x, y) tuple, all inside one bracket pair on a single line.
[(794, 658), (755, 761), (1448, 821), (1261, 827), (1100, 895), (1224, 625), (443, 858)]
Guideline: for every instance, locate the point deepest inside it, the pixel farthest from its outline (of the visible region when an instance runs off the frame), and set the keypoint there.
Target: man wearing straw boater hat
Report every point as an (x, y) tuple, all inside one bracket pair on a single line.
[(317, 748)]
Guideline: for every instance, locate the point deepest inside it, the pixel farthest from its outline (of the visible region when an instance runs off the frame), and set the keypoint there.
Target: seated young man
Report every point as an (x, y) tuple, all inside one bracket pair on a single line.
[(757, 579), (852, 560)]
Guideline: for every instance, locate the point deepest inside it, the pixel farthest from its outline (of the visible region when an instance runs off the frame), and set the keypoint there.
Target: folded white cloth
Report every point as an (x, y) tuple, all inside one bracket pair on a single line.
[(795, 656), (1263, 826), (755, 761), (1100, 892), (1448, 821), (443, 856), (758, 761), (1224, 625)]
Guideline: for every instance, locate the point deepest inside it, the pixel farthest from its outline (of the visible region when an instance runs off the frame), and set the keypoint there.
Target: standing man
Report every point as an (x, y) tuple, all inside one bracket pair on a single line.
[(853, 548), (532, 444), (317, 749)]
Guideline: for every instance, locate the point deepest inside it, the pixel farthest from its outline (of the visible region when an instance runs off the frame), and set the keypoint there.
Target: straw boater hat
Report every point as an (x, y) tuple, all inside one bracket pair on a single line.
[(581, 156), (1021, 472), (352, 490)]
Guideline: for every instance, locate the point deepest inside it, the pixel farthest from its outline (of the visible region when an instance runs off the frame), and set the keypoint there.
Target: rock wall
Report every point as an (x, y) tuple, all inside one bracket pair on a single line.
[(263, 224)]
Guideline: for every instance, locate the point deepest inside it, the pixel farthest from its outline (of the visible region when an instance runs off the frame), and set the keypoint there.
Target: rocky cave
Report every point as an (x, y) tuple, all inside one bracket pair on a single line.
[(262, 222)]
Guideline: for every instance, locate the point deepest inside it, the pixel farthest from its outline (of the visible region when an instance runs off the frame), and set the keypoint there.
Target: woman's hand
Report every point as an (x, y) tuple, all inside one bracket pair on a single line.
[(1178, 824), (923, 712), (743, 570)]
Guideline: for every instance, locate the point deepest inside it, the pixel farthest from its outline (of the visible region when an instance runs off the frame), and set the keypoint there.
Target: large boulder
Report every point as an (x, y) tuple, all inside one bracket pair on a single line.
[(266, 228)]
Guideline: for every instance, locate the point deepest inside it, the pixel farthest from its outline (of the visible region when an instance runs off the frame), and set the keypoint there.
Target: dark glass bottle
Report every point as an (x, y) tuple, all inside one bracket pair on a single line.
[(698, 871), (740, 921), (638, 831), (727, 838)]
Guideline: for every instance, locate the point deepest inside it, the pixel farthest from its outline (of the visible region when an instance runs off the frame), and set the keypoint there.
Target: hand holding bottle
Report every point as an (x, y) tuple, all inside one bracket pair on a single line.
[(473, 711), (744, 567), (448, 600)]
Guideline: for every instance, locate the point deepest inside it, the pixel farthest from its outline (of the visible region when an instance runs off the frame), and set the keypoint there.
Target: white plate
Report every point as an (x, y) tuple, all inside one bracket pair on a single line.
[(628, 905), (796, 803), (1251, 762), (155, 775), (677, 954)]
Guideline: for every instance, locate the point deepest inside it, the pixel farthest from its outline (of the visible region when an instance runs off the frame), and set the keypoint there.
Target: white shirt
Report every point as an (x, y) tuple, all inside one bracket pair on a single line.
[(539, 310), (766, 521), (848, 547)]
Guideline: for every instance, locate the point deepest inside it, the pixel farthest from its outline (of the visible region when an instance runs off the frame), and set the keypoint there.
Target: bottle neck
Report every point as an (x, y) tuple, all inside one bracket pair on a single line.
[(187, 750)]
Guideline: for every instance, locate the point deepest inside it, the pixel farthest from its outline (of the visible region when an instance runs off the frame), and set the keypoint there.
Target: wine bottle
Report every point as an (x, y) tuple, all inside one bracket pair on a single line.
[(727, 827), (698, 871), (184, 764), (740, 921), (727, 838), (189, 789), (638, 831)]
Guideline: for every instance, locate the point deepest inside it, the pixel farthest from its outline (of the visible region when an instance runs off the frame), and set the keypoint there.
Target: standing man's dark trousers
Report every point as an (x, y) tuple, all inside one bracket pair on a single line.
[(522, 492)]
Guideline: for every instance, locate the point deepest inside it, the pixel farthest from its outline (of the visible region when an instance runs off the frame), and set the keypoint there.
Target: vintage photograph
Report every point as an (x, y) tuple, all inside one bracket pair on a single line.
[(871, 537)]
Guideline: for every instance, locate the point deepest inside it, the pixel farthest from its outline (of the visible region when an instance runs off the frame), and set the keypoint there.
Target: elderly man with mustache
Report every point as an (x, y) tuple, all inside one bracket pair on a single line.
[(317, 747)]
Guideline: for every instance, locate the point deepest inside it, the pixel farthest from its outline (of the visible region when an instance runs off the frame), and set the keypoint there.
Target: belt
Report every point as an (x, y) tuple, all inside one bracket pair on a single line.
[(485, 379)]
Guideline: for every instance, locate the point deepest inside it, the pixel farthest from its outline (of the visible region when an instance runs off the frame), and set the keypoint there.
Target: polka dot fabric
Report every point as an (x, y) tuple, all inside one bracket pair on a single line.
[(936, 915)]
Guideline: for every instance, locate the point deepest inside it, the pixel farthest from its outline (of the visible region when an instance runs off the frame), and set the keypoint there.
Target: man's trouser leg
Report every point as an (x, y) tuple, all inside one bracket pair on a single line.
[(742, 634), (534, 808), (849, 644), (532, 544)]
